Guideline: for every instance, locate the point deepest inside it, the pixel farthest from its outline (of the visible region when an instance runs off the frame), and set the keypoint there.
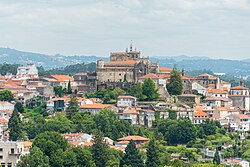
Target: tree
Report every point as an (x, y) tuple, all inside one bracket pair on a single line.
[(59, 91), (15, 127), (153, 159), (99, 151), (175, 85), (209, 127), (6, 95), (149, 89), (136, 90), (34, 159), (19, 107), (216, 159), (49, 142), (73, 105), (132, 156), (69, 90)]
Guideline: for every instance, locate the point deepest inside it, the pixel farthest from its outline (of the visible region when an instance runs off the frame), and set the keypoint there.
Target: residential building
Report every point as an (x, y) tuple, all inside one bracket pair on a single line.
[(137, 139), (96, 108), (126, 101), (6, 106), (240, 97), (10, 153), (189, 98), (27, 72)]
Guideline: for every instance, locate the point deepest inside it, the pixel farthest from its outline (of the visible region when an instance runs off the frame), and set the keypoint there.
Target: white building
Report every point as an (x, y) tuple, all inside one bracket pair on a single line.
[(5, 105), (126, 101), (10, 153), (239, 122), (27, 72)]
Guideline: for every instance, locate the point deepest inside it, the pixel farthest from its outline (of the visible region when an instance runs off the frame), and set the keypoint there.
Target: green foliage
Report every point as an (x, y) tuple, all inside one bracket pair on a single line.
[(136, 90), (99, 151), (49, 142), (153, 157), (36, 158), (209, 127), (6, 95), (149, 90), (19, 107), (59, 91), (175, 86), (15, 127), (73, 106), (132, 156), (181, 132), (69, 90), (8, 68), (216, 159)]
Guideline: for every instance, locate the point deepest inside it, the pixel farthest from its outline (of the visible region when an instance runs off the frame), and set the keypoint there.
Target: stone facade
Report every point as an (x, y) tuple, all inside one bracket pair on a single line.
[(125, 66)]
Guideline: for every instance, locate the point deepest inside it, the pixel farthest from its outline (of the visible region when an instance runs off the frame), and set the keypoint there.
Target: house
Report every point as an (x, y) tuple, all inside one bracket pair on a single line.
[(216, 93), (139, 140), (10, 152), (126, 101), (210, 153), (96, 108), (240, 97), (58, 80), (213, 102), (27, 72), (196, 87), (189, 98), (6, 106), (239, 122), (238, 161), (199, 116), (27, 146)]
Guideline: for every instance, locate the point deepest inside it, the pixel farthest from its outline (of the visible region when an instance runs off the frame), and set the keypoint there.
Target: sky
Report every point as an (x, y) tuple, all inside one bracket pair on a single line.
[(212, 28)]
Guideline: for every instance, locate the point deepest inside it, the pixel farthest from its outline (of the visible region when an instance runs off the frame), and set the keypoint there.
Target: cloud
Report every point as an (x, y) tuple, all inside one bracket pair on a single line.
[(215, 28)]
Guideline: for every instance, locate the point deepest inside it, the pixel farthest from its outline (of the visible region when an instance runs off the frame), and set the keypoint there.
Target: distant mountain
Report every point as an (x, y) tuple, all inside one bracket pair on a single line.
[(13, 56), (189, 63)]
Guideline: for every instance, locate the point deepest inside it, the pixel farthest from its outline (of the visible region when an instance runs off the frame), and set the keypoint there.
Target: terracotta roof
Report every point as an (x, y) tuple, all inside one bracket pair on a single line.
[(239, 88), (126, 97), (216, 91), (122, 142), (223, 108), (95, 106), (205, 75), (216, 99), (127, 62), (241, 116), (62, 78), (150, 75), (200, 113), (135, 138), (132, 111), (6, 111), (165, 69), (27, 143), (188, 77), (188, 95)]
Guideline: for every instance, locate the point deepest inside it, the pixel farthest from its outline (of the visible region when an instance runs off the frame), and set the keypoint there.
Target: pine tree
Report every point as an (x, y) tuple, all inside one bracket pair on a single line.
[(15, 127), (216, 159), (132, 156), (19, 107), (175, 85), (99, 151), (69, 88), (152, 155)]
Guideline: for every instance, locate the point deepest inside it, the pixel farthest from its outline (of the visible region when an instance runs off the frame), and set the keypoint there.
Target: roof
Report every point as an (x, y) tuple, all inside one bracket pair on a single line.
[(241, 116), (62, 78), (200, 113), (216, 99), (188, 77), (122, 142), (216, 91), (205, 75), (135, 138), (95, 106), (223, 108), (127, 62), (132, 111), (127, 97), (239, 88), (150, 75), (165, 69), (27, 143), (187, 95)]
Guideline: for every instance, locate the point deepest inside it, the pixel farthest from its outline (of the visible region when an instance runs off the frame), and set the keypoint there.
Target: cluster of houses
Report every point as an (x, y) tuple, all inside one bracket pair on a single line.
[(204, 97)]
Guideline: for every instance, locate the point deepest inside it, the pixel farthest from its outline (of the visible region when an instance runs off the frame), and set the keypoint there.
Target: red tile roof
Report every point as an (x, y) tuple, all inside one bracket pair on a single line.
[(239, 88), (62, 78), (95, 106), (135, 138)]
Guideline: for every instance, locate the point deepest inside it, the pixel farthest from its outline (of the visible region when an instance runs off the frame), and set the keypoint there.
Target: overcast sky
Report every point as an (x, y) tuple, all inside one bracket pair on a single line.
[(213, 28)]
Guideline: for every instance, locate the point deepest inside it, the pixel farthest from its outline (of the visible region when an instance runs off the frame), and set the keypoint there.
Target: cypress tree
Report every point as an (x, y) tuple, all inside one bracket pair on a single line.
[(216, 159), (15, 127), (99, 151), (132, 156), (175, 86), (69, 88), (152, 155)]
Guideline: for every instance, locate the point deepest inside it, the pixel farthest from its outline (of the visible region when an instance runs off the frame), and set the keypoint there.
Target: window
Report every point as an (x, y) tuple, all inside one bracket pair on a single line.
[(1, 149), (9, 164), (3, 164), (1, 157), (120, 74), (12, 151)]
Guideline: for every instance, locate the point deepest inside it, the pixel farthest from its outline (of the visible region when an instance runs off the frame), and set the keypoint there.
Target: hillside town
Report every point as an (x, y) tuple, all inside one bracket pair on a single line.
[(128, 92)]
